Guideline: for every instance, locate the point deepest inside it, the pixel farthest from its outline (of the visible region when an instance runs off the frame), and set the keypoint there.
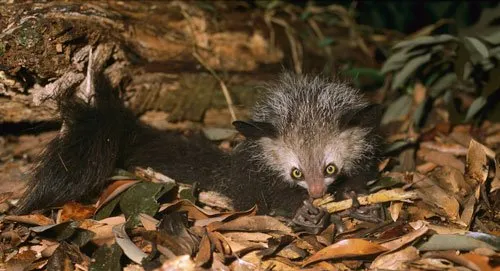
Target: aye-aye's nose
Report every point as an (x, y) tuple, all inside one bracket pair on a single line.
[(317, 190)]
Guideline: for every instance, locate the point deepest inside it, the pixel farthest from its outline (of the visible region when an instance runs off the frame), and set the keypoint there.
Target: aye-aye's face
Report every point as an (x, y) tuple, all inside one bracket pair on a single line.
[(314, 163)]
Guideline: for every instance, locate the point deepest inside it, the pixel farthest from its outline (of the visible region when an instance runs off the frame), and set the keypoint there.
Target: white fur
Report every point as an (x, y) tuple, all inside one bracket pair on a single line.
[(308, 114)]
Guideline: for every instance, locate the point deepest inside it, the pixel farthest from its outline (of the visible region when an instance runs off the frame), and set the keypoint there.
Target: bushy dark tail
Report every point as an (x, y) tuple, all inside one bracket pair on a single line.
[(76, 164)]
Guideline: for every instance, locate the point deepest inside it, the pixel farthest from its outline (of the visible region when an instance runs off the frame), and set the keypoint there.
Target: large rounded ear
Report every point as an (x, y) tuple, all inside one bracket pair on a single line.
[(255, 129), (367, 117)]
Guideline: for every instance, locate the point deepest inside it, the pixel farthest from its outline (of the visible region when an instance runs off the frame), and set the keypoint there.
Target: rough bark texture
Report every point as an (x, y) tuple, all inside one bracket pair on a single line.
[(158, 54)]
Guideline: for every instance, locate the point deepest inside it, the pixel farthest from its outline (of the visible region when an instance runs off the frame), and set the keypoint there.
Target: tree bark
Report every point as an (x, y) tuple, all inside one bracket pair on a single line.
[(160, 55)]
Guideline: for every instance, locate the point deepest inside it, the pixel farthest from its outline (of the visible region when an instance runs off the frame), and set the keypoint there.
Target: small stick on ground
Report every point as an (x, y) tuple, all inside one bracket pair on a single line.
[(396, 194)]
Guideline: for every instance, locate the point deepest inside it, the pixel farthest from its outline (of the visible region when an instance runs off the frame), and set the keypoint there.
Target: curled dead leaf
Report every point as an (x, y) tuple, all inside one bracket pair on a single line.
[(477, 164), (346, 248), (251, 223)]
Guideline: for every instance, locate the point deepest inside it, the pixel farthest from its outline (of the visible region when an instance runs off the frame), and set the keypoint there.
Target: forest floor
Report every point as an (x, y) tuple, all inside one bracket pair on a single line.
[(439, 185)]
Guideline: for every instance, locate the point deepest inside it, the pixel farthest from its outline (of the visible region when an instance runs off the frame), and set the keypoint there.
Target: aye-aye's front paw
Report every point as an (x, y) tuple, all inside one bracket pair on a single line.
[(310, 218)]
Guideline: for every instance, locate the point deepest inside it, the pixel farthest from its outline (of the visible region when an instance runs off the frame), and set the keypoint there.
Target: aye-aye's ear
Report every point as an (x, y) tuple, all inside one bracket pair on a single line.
[(368, 116), (255, 129)]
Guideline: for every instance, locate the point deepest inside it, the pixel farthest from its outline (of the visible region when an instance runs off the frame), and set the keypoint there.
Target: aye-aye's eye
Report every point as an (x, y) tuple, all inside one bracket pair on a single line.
[(296, 173), (330, 169)]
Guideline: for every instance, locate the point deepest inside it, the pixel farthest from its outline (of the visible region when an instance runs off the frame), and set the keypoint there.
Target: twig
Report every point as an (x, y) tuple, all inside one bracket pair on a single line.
[(295, 46), (223, 86), (396, 194), (227, 95), (320, 35)]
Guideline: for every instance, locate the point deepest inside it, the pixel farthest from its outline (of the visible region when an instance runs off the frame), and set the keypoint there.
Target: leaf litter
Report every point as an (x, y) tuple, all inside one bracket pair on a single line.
[(444, 215), (154, 235)]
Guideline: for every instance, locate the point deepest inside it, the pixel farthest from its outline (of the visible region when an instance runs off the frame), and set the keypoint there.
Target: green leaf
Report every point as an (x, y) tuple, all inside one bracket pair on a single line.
[(450, 105), (305, 15), (398, 145), (493, 39), (453, 242), (442, 84), (140, 198), (81, 237), (59, 232), (402, 76), (493, 83), (477, 50), (425, 40), (420, 111), (495, 52), (373, 74), (475, 107), (107, 209), (384, 183), (397, 109), (325, 42), (273, 4), (463, 57), (187, 194), (106, 258), (398, 59)]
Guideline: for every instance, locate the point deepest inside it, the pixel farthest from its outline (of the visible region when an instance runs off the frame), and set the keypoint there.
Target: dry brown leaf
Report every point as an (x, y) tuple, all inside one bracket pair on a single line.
[(242, 247), (74, 211), (407, 238), (492, 139), (204, 252), (250, 261), (480, 261), (477, 164), (5, 196), (346, 248), (148, 222), (278, 264), (251, 223), (201, 216), (395, 209), (453, 181), (113, 190), (49, 250), (179, 263), (444, 229), (194, 212), (426, 167), (396, 260), (256, 237), (439, 158), (434, 196), (419, 93), (495, 183), (461, 134), (461, 260), (420, 211), (153, 176), (468, 211), (113, 220), (292, 253), (21, 261), (220, 243), (430, 264), (451, 148), (34, 219), (383, 164)]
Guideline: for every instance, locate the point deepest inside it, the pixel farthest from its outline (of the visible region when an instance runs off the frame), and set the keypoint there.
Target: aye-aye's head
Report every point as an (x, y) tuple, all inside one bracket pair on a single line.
[(311, 131)]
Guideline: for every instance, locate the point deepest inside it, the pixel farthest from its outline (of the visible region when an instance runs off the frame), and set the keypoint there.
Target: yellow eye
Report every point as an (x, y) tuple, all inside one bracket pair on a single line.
[(330, 169), (296, 173)]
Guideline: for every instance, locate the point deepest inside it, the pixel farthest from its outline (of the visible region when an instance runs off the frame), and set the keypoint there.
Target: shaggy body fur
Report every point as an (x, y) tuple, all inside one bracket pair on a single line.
[(309, 122)]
